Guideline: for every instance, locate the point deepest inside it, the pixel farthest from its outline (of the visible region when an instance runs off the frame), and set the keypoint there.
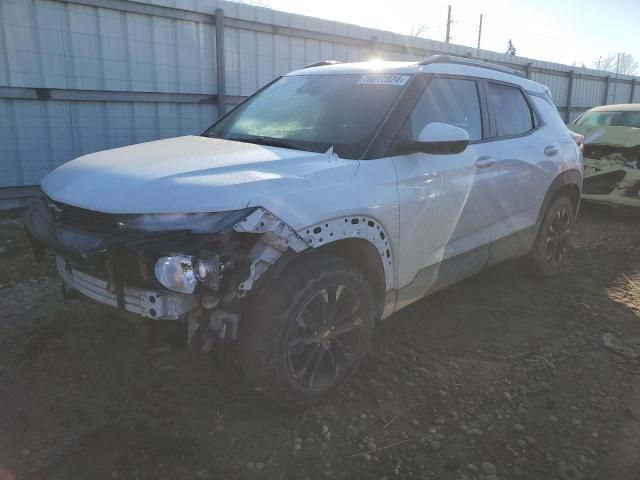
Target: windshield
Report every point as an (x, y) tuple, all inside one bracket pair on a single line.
[(610, 119), (315, 113)]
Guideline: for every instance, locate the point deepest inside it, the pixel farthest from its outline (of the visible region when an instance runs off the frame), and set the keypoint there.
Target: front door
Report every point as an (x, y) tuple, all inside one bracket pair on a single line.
[(445, 208)]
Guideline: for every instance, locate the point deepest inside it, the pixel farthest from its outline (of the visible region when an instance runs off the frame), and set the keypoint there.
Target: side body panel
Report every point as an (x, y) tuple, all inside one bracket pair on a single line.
[(457, 216), (446, 206), (525, 168), (522, 175), (444, 218), (442, 205)]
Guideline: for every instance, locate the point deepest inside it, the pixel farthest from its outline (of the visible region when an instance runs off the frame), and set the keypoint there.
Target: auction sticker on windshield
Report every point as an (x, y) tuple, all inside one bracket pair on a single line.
[(398, 80)]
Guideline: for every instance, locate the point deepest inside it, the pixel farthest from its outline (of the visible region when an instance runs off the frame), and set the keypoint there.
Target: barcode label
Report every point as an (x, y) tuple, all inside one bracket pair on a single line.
[(398, 80)]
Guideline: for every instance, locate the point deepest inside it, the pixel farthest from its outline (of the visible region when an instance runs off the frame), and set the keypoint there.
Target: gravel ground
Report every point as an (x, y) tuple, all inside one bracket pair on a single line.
[(499, 377)]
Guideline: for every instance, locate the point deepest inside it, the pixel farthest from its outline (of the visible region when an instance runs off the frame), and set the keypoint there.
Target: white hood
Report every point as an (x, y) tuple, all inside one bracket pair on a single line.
[(189, 174)]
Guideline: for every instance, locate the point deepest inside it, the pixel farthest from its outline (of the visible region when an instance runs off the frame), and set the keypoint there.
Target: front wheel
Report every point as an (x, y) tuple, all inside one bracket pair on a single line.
[(549, 251), (305, 334)]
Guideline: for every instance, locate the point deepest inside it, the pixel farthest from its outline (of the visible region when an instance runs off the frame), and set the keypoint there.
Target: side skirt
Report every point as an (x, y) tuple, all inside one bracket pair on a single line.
[(452, 270), (515, 245), (436, 277)]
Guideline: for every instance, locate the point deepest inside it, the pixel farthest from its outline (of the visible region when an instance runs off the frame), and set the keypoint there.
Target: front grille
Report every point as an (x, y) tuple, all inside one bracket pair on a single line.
[(77, 217)]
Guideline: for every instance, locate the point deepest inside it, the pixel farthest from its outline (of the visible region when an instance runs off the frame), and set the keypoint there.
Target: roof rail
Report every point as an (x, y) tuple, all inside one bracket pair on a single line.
[(321, 64), (471, 62)]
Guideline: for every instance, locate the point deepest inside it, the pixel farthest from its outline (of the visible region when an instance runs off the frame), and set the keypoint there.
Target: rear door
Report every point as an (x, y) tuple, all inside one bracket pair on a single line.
[(521, 156)]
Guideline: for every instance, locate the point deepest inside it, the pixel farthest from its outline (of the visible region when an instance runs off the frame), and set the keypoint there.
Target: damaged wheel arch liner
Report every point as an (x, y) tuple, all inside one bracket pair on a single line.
[(277, 237)]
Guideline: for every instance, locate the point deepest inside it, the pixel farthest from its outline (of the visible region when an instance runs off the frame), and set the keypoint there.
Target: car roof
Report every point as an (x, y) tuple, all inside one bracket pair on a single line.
[(620, 107), (473, 68)]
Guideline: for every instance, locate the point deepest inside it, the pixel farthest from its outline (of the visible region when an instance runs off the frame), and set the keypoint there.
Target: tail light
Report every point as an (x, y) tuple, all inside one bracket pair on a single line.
[(579, 139)]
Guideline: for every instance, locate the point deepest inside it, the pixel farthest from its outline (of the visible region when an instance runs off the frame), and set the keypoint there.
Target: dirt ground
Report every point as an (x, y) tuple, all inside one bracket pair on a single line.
[(500, 377)]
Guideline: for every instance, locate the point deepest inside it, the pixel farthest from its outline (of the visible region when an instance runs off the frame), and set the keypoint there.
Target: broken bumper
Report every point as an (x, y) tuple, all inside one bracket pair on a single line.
[(610, 183), (147, 303), (102, 264)]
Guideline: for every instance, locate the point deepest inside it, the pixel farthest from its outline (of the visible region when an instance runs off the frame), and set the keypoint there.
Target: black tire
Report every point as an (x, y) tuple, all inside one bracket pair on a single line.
[(282, 330), (549, 252)]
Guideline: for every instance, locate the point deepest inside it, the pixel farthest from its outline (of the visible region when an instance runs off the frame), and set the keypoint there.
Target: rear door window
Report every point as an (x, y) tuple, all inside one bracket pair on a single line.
[(511, 112)]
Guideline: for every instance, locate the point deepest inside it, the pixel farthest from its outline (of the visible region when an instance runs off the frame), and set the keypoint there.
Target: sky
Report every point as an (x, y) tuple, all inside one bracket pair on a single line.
[(560, 31)]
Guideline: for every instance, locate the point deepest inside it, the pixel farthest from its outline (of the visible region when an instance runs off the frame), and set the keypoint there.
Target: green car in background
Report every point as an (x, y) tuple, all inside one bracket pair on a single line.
[(611, 154)]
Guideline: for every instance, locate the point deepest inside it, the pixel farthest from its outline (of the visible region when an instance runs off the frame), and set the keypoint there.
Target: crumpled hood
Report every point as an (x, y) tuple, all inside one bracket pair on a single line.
[(189, 174)]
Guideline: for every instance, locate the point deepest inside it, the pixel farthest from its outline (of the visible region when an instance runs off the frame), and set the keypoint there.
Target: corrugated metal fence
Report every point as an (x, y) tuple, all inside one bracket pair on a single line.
[(77, 76)]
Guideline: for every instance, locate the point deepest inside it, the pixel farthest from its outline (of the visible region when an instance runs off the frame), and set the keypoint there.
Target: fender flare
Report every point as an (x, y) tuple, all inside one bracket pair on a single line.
[(354, 226), (278, 238), (568, 177)]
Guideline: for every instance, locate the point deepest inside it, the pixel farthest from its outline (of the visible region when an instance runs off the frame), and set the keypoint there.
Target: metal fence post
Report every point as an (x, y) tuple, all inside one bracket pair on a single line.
[(374, 46), (633, 90), (222, 99), (606, 90), (567, 113)]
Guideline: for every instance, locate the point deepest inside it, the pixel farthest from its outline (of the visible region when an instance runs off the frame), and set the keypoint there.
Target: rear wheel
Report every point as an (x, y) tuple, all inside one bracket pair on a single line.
[(304, 335), (549, 251)]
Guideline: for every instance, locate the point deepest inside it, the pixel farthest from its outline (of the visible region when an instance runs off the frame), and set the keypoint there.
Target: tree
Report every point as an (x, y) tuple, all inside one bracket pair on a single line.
[(511, 50), (627, 64), (621, 63), (419, 30), (607, 63)]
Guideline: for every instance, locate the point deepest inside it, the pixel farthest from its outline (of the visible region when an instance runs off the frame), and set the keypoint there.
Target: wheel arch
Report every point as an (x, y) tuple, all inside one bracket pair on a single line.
[(366, 257), (567, 183), (362, 237), (362, 253)]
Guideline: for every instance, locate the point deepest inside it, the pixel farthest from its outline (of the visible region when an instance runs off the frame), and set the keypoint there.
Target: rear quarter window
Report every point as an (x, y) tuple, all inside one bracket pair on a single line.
[(549, 113)]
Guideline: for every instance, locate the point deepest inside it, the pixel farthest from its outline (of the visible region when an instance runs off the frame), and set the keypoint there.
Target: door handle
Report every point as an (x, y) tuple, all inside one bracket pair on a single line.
[(551, 150), (485, 161)]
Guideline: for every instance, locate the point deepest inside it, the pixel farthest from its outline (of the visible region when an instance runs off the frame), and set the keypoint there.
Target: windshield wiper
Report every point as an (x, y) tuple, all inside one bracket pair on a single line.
[(270, 142), (267, 141)]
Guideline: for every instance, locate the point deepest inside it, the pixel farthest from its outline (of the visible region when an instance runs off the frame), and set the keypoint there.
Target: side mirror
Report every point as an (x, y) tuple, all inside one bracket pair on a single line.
[(438, 139)]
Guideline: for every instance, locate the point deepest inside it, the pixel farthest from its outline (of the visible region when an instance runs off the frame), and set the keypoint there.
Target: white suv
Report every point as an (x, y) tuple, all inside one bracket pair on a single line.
[(333, 197)]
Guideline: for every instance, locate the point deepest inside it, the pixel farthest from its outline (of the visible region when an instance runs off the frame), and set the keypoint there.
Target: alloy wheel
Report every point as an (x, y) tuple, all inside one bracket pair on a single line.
[(325, 337), (558, 236)]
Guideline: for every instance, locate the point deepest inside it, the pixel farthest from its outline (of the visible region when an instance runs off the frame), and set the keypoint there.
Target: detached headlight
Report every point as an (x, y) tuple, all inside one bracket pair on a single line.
[(195, 222), (176, 273)]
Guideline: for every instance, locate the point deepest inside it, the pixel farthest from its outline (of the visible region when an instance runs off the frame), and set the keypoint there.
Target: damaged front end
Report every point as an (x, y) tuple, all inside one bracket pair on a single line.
[(197, 268), (611, 165)]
